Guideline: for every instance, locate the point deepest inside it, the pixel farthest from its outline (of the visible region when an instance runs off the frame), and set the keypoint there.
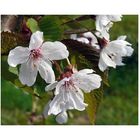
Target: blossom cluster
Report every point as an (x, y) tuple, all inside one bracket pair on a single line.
[(69, 89)]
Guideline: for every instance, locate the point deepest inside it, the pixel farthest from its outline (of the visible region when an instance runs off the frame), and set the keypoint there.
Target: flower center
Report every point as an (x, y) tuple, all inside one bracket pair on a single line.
[(66, 75), (35, 53), (103, 42)]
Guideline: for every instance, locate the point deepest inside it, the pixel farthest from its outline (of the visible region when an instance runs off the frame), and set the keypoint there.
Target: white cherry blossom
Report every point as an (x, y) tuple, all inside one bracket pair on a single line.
[(37, 58), (105, 22), (60, 118), (69, 92), (112, 53)]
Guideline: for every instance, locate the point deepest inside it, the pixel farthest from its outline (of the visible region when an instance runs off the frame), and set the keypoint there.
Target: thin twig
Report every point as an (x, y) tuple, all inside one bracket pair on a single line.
[(78, 31), (77, 19)]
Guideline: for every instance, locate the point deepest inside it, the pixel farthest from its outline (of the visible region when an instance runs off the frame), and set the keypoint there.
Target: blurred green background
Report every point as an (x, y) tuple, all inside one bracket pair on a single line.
[(120, 101)]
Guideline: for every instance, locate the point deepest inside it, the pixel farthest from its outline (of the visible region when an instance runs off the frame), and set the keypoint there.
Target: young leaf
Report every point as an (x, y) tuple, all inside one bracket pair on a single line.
[(32, 25), (51, 27)]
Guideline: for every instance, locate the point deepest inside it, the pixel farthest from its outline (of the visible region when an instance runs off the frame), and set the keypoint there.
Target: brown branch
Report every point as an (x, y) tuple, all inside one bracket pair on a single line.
[(86, 50), (78, 31), (81, 18)]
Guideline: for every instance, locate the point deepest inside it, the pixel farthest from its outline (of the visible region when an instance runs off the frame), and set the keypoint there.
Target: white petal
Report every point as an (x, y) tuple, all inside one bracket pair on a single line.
[(86, 71), (76, 99), (18, 55), (62, 117), (92, 37), (51, 86), (118, 47), (101, 22), (104, 20), (54, 50), (105, 34), (115, 18), (46, 109), (87, 82), (102, 65), (36, 40), (89, 35), (46, 71), (123, 37), (28, 73), (83, 40), (109, 25), (99, 26), (95, 81), (118, 60), (107, 60), (129, 50), (57, 105)]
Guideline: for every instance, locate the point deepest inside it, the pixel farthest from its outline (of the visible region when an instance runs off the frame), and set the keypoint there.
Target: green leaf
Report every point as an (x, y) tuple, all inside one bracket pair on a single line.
[(39, 86), (51, 27), (13, 77), (32, 25), (93, 100), (104, 76), (5, 71)]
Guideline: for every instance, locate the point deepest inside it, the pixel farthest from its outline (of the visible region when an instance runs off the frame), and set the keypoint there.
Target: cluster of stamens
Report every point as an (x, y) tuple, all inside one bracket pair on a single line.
[(67, 74), (35, 53)]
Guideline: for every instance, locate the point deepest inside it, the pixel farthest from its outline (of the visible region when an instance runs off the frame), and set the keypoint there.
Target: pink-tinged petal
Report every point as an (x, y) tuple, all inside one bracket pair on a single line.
[(18, 55), (28, 73), (59, 85), (54, 50), (68, 98), (36, 40), (62, 117), (46, 71)]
